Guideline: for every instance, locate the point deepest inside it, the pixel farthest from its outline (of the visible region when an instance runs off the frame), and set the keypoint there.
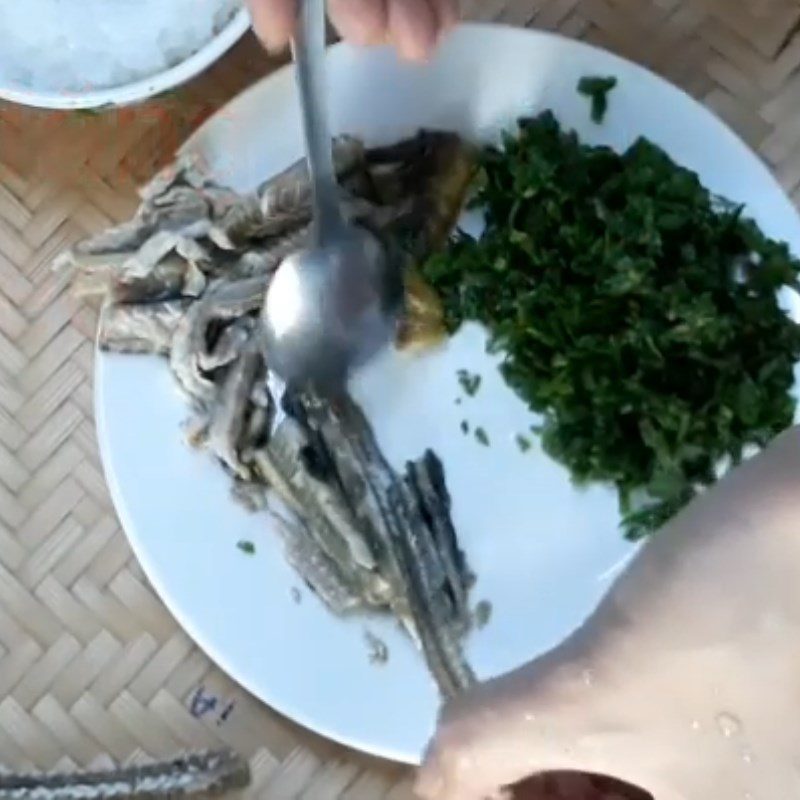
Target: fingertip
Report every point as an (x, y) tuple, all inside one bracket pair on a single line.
[(413, 51), (273, 22), (413, 28), (363, 22), (276, 47)]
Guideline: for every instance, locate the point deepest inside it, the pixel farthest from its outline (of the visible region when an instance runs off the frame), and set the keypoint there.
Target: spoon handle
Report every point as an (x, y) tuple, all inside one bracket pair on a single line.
[(308, 48)]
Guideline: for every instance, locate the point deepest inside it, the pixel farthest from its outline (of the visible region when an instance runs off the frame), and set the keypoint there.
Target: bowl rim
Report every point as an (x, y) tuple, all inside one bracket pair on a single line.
[(142, 88)]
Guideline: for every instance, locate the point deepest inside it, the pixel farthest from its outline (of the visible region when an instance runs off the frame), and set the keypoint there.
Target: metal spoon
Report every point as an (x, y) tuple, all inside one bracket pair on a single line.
[(331, 307)]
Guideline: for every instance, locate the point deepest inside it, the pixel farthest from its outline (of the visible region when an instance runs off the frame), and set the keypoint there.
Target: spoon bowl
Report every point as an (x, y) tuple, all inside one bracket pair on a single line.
[(330, 308)]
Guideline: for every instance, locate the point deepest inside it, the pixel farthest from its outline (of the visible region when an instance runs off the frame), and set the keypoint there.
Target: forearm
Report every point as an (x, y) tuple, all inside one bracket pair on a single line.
[(682, 680)]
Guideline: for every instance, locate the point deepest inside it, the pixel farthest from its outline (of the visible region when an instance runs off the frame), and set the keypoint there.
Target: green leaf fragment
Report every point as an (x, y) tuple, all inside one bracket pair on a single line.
[(482, 436), (246, 547), (470, 382), (597, 89)]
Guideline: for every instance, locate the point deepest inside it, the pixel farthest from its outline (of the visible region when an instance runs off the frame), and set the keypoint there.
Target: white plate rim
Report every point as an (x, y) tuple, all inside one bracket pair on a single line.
[(186, 620)]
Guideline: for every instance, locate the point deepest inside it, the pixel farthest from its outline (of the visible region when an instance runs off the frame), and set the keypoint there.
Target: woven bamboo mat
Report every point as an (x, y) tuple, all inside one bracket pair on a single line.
[(93, 669)]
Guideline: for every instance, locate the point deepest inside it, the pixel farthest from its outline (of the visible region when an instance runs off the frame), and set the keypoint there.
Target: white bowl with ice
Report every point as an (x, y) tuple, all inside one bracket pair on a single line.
[(71, 54)]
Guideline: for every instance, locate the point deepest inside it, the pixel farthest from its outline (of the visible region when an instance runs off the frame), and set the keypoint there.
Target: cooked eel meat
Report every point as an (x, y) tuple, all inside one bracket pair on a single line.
[(186, 279)]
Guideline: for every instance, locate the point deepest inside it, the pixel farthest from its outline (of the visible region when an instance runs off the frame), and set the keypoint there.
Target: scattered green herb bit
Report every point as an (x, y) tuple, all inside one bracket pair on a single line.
[(523, 443), (651, 516), (469, 383), (247, 547), (637, 313), (482, 436), (464, 426), (96, 111), (597, 89), (378, 650), (482, 614), (170, 94), (458, 401)]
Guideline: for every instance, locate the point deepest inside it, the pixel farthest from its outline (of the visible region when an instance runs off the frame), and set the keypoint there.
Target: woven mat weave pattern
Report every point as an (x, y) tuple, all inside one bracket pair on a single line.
[(93, 669)]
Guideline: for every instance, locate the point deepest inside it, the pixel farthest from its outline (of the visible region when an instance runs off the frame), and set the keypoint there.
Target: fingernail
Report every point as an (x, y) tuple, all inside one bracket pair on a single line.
[(413, 51), (407, 51), (276, 48), (272, 45)]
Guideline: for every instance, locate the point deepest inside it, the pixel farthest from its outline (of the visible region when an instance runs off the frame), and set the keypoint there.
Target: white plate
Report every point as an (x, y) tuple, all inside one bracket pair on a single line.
[(135, 91), (545, 553)]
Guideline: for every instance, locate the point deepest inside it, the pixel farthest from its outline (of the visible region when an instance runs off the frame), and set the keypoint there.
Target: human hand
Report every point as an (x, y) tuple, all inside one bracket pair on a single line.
[(685, 680), (413, 26)]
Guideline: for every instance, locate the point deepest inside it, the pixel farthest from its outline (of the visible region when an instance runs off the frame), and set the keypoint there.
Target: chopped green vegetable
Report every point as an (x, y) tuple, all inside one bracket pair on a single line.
[(464, 426), (637, 312), (247, 547), (597, 89), (482, 436), (469, 383), (523, 443)]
